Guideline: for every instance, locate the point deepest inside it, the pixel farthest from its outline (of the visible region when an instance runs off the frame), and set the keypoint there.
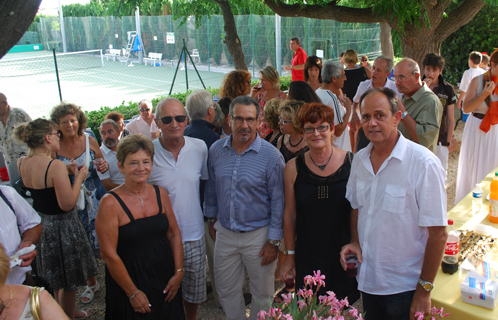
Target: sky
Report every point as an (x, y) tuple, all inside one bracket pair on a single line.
[(52, 6)]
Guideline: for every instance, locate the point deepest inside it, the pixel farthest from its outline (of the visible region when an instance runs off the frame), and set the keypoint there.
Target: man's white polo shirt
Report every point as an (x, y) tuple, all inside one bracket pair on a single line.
[(181, 179), (113, 172), (138, 125), (395, 207), (366, 85)]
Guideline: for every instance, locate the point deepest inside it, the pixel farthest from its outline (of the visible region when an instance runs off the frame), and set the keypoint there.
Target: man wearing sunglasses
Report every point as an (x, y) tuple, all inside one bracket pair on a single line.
[(144, 123), (244, 203), (180, 163)]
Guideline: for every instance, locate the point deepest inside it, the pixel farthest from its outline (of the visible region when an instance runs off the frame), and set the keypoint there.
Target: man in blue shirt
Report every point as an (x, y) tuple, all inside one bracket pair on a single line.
[(244, 201)]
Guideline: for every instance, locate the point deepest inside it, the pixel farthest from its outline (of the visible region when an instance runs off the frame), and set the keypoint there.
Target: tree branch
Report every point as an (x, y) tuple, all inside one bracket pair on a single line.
[(459, 17)]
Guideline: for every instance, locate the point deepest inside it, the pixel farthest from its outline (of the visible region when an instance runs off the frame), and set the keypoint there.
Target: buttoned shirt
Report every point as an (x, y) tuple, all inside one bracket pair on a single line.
[(113, 172), (138, 125), (426, 109), (11, 148), (181, 179), (367, 85), (298, 57), (12, 225), (246, 191), (395, 207)]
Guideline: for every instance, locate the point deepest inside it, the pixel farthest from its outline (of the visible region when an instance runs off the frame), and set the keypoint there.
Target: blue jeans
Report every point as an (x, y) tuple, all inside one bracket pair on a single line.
[(388, 307)]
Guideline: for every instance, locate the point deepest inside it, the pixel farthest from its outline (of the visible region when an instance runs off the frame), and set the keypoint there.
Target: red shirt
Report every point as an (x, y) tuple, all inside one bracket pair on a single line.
[(298, 57)]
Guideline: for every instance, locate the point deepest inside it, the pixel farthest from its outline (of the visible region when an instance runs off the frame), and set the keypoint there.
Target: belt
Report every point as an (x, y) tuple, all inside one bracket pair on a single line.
[(478, 115), (444, 144)]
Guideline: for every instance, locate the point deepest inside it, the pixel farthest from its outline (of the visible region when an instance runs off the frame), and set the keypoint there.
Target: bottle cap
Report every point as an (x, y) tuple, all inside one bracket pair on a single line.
[(496, 174), (450, 222)]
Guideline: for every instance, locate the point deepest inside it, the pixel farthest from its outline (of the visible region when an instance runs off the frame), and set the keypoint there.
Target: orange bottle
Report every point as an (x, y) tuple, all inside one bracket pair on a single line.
[(493, 199)]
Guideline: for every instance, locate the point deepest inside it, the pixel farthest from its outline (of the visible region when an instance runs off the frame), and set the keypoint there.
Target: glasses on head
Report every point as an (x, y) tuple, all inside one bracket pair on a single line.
[(144, 109), (280, 119), (403, 78), (240, 120), (168, 120), (58, 134), (310, 130)]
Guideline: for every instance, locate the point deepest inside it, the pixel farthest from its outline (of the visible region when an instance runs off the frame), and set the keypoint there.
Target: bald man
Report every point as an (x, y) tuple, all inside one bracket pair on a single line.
[(11, 117)]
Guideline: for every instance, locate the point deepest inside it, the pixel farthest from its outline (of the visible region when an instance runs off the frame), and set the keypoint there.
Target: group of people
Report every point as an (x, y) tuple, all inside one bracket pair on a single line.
[(259, 181)]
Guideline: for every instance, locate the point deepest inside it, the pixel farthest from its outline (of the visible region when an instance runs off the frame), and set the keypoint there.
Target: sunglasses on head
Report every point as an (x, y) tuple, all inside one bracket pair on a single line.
[(168, 120), (144, 109)]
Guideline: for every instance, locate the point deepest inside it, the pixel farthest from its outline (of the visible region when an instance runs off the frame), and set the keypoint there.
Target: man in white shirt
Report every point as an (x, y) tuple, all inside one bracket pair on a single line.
[(20, 227), (144, 123), (333, 76), (109, 132), (382, 68), (397, 192), (179, 165), (473, 71)]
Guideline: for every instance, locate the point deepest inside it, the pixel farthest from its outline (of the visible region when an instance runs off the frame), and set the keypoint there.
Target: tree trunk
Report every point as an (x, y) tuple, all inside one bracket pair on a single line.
[(386, 42), (417, 42), (232, 38), (15, 18)]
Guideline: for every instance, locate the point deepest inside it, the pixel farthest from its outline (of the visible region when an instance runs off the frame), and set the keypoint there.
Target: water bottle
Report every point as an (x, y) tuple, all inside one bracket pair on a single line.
[(477, 199), (493, 199), (451, 251)]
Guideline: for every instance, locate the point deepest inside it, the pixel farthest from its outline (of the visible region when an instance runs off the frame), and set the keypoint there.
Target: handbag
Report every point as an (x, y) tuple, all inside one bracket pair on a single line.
[(34, 299), (84, 193)]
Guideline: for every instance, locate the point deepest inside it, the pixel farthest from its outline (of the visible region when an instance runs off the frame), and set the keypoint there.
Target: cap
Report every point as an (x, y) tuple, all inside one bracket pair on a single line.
[(450, 222)]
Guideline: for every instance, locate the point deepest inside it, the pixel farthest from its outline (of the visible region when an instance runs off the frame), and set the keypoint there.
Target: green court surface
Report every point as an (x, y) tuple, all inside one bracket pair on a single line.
[(29, 80)]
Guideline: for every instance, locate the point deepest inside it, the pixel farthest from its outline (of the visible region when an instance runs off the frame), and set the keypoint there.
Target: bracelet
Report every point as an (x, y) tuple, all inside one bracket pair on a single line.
[(133, 295), (26, 240), (211, 220), (180, 270)]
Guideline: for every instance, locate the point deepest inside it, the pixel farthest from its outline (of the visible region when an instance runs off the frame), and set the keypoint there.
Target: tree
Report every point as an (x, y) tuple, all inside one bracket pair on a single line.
[(421, 24), (15, 18)]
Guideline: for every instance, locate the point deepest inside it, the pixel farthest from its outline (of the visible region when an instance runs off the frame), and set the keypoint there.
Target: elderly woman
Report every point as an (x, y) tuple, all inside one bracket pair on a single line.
[(73, 145), (119, 119), (65, 257), (140, 241), (272, 118), (236, 83), (20, 307), (300, 90), (268, 88), (312, 72), (292, 143), (315, 190), (354, 74), (479, 152)]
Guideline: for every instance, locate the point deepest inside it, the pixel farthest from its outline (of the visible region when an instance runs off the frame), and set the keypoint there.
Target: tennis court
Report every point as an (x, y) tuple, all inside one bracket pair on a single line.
[(91, 81)]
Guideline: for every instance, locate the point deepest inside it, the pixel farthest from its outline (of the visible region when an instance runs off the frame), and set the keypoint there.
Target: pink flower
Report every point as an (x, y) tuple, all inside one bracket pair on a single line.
[(287, 297), (353, 312), (433, 310), (262, 314), (308, 280), (318, 277), (419, 315), (360, 317), (315, 317), (287, 317), (301, 293), (301, 304), (344, 303)]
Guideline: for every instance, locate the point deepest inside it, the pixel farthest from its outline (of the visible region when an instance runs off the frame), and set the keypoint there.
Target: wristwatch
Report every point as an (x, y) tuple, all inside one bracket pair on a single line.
[(287, 252), (274, 243), (403, 115), (425, 284)]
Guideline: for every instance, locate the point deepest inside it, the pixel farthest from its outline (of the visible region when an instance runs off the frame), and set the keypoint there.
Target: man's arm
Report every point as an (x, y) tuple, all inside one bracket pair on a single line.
[(29, 237), (108, 184), (210, 200), (450, 122), (339, 128), (298, 67), (460, 99), (409, 123)]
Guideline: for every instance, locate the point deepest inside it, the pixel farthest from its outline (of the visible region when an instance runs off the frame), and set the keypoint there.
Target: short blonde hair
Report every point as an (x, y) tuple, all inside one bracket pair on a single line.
[(291, 109), (4, 266), (271, 74), (350, 56), (132, 144)]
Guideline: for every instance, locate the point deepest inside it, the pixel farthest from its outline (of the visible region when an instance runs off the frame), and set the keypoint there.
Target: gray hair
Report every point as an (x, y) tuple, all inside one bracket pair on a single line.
[(389, 61), (412, 64), (219, 116), (163, 102), (331, 69), (109, 121), (147, 101), (391, 96), (298, 41), (198, 104), (245, 100)]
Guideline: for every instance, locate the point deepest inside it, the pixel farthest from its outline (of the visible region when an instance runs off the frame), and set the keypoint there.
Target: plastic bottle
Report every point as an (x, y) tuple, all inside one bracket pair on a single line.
[(493, 199), (477, 199), (451, 251)]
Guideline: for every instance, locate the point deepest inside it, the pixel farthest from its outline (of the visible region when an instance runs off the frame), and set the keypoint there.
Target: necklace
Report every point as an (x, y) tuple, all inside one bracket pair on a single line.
[(323, 166), (290, 141), (76, 152), (42, 153), (4, 307), (138, 197)]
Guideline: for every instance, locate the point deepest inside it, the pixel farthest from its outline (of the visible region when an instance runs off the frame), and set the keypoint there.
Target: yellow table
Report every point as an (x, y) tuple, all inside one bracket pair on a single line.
[(446, 291)]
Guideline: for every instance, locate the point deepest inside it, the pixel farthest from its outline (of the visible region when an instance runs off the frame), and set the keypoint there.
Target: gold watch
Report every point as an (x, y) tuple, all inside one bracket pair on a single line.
[(425, 284)]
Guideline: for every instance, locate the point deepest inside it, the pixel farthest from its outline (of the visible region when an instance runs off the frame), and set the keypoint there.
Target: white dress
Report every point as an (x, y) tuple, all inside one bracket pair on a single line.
[(478, 153)]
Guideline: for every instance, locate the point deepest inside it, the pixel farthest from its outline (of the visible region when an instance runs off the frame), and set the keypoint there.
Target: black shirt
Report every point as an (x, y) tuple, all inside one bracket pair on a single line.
[(201, 129)]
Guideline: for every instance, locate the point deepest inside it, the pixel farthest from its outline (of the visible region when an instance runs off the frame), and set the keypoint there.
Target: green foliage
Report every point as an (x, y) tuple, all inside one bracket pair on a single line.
[(477, 35), (127, 7), (93, 8)]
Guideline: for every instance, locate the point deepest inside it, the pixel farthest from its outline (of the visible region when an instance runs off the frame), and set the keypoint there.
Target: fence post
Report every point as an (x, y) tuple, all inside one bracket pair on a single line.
[(72, 33), (63, 31), (113, 33), (309, 37), (209, 53), (91, 33), (57, 74), (278, 44), (252, 42), (139, 35), (171, 30)]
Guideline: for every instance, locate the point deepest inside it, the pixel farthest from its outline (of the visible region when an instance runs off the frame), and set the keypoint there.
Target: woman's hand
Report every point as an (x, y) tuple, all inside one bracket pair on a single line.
[(80, 175), (488, 89), (103, 166), (72, 168), (288, 268), (256, 90), (173, 285), (140, 303)]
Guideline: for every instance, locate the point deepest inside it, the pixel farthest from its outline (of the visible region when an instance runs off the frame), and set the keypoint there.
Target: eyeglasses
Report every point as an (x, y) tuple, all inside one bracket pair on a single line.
[(179, 119), (58, 134), (284, 121), (144, 109), (403, 78), (311, 130), (364, 60), (240, 120)]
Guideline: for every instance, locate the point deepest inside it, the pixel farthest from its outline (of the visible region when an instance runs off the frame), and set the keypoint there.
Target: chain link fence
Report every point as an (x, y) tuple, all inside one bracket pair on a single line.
[(119, 78)]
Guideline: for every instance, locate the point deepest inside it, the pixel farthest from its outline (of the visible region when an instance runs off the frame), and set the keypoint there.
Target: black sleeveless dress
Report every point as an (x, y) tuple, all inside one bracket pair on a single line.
[(146, 253), (323, 216)]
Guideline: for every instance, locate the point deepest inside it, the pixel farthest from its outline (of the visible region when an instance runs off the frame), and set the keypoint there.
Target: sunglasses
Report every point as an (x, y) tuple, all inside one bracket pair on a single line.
[(179, 119), (144, 109)]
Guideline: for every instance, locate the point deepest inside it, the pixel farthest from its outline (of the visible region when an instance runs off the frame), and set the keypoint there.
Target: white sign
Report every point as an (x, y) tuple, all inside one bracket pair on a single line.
[(116, 35), (170, 37), (110, 46), (155, 38), (319, 53)]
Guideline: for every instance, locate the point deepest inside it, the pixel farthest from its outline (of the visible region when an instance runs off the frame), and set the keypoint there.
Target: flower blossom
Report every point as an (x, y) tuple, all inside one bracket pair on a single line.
[(318, 278)]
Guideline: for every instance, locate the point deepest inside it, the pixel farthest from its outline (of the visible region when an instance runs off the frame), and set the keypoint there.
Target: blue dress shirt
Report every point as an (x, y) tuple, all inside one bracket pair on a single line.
[(246, 191)]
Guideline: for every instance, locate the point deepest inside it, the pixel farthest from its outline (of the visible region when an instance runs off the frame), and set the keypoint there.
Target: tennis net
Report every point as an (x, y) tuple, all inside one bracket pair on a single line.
[(45, 64)]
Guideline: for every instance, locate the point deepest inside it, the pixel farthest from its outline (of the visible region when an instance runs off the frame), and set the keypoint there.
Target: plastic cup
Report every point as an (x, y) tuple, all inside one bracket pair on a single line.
[(97, 162), (352, 265)]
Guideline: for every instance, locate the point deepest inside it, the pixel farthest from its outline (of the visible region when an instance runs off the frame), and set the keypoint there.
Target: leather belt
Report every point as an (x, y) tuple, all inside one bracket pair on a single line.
[(478, 115)]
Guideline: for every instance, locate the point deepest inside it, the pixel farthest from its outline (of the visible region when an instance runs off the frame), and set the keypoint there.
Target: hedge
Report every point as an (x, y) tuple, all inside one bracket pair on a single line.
[(130, 108)]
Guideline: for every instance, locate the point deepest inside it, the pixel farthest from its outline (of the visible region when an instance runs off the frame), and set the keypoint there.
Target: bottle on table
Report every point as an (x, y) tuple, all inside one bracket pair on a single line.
[(451, 251), (493, 199), (477, 199)]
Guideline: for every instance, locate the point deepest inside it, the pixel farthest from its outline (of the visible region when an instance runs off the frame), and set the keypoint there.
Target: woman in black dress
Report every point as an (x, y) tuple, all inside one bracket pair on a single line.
[(140, 241), (317, 213)]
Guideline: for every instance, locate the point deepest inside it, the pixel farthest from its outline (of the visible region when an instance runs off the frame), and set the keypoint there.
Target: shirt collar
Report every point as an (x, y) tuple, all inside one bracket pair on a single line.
[(105, 149), (397, 152), (203, 122), (255, 145), (417, 95)]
